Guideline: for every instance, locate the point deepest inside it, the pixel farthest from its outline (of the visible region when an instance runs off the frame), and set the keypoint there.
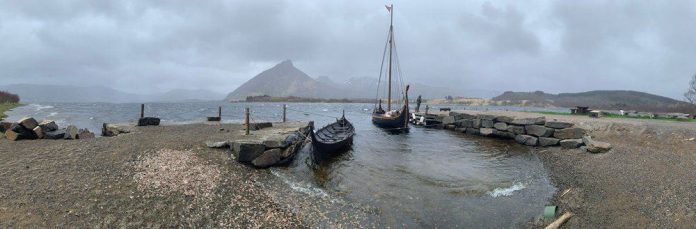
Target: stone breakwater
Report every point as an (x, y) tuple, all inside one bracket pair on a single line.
[(530, 131)]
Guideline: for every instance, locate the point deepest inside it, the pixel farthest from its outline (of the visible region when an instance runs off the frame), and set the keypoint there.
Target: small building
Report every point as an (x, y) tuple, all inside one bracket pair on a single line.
[(580, 110)]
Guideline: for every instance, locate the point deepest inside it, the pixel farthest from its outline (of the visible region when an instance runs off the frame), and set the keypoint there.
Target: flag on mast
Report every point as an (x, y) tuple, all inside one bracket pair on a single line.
[(389, 7)]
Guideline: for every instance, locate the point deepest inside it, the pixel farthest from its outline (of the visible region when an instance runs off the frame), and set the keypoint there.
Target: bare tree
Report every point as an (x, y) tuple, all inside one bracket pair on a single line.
[(690, 95)]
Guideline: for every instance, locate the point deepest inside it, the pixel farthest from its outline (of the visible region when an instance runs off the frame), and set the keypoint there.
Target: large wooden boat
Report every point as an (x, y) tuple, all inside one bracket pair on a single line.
[(329, 141), (396, 119)]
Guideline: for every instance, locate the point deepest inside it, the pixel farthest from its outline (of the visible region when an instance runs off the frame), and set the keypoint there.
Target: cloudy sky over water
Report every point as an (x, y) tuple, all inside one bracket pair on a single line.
[(554, 46)]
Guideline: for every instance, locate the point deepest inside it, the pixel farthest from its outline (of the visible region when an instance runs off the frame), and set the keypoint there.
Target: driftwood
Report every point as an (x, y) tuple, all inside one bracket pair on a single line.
[(558, 222)]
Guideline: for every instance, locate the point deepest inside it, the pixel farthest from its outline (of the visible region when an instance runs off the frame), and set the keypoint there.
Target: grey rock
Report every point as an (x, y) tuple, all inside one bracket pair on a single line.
[(516, 129), (459, 115), (539, 131), (48, 125), (148, 121), (569, 133), (485, 123), (503, 134), (247, 151), (476, 123), (500, 126), (450, 126), (460, 129), (38, 132), (526, 140), (472, 131), (4, 126), (558, 125), (467, 123), (84, 134), (56, 134), (217, 144), (71, 132), (260, 125), (447, 120), (110, 130), (594, 146), (529, 121), (571, 143), (267, 159), (486, 117), (486, 131), (28, 122), (505, 119), (22, 133), (543, 141)]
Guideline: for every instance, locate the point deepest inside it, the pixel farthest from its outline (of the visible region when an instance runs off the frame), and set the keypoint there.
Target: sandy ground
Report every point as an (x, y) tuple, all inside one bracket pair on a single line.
[(154, 177), (646, 181)]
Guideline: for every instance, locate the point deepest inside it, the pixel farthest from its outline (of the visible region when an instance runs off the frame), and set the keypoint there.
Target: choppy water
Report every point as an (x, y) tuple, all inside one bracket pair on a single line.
[(424, 178)]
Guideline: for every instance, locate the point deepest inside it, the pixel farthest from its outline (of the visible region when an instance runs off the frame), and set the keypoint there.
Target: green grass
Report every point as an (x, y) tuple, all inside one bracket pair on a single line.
[(618, 116), (6, 107)]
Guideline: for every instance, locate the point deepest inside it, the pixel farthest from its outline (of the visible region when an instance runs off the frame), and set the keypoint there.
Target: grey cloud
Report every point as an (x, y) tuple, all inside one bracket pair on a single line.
[(556, 46)]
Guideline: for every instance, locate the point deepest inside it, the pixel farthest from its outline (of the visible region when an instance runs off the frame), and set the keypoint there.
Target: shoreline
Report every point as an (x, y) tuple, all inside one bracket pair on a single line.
[(646, 179)]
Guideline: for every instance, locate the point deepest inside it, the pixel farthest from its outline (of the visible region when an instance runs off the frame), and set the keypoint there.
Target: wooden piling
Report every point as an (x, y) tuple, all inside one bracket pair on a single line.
[(285, 108), (220, 113), (142, 110), (246, 120)]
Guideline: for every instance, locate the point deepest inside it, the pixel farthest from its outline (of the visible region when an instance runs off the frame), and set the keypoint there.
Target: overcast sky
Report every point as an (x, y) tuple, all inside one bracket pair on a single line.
[(152, 46)]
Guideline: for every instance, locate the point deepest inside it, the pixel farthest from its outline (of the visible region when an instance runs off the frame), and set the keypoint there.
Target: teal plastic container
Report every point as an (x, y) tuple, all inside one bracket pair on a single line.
[(550, 212)]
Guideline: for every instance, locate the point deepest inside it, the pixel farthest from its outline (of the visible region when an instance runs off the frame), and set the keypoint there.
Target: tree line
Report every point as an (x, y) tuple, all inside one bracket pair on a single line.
[(6, 97)]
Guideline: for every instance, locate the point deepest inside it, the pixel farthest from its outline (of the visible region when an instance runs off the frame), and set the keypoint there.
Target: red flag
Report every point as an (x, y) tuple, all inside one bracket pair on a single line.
[(389, 8)]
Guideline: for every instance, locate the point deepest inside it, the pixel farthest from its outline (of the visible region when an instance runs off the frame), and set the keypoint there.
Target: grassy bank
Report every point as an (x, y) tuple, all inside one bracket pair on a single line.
[(6, 107), (619, 116)]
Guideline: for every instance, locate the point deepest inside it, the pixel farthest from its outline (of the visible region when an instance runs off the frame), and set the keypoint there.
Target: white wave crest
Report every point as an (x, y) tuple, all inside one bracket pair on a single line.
[(302, 187), (506, 191), (39, 107)]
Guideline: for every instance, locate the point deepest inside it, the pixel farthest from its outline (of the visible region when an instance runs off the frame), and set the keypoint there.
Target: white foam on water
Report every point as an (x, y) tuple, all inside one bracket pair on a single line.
[(324, 109), (303, 187), (52, 114), (506, 191), (39, 107)]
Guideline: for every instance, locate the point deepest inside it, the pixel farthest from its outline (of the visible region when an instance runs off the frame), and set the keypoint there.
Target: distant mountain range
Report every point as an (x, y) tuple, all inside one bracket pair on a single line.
[(60, 93), (605, 99), (285, 80)]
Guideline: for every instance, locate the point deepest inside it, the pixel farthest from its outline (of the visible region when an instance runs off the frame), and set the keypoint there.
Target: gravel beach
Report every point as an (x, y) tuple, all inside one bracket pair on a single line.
[(165, 176)]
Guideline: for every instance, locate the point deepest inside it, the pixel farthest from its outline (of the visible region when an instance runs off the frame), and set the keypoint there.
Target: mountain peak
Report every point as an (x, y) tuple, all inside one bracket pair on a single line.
[(285, 63)]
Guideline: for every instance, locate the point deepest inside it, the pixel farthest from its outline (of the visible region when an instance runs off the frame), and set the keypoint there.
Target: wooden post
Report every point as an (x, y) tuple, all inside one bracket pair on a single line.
[(246, 120), (285, 108), (220, 113), (142, 110)]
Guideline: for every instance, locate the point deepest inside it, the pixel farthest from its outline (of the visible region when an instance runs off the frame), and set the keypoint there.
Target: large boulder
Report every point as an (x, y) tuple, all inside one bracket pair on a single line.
[(247, 151), (500, 126), (48, 125), (486, 131), (459, 115), (505, 119), (4, 126), (148, 121), (71, 132), (56, 134), (260, 125), (476, 123), (529, 121), (544, 141), (84, 134), (516, 129), (538, 130), (485, 123), (110, 130), (38, 132), (595, 146), (486, 117), (571, 143), (19, 132), (569, 133), (503, 134), (447, 120), (558, 125), (267, 159), (29, 123), (526, 140), (460, 129), (472, 131), (467, 123)]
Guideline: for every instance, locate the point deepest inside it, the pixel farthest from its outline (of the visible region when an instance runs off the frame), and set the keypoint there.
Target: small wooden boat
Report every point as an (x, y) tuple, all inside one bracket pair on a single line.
[(331, 139)]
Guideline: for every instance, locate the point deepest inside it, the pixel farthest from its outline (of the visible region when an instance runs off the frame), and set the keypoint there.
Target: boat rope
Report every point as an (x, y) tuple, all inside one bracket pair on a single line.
[(381, 68)]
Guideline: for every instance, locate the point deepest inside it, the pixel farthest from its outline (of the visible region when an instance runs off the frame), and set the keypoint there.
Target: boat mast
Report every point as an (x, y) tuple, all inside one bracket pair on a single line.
[(391, 39)]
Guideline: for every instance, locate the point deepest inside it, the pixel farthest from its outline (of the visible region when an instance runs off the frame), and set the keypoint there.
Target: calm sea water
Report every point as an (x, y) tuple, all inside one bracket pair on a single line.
[(424, 178)]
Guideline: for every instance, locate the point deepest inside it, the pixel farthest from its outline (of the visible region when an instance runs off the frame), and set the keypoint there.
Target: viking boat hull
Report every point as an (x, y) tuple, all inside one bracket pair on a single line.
[(329, 141)]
